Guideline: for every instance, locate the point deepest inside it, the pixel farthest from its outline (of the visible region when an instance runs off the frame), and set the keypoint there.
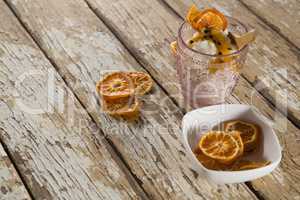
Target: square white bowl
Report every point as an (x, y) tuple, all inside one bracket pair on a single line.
[(198, 121)]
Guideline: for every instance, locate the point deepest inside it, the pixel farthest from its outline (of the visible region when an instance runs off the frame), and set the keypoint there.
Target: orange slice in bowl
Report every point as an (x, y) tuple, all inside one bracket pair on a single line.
[(115, 85), (141, 81), (220, 146), (238, 138), (249, 133), (210, 18), (210, 163), (126, 107), (246, 165)]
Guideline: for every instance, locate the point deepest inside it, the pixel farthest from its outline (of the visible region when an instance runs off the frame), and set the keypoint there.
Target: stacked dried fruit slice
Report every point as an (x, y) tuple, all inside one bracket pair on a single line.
[(203, 22), (119, 92), (115, 85), (210, 18), (224, 150), (249, 133), (212, 34)]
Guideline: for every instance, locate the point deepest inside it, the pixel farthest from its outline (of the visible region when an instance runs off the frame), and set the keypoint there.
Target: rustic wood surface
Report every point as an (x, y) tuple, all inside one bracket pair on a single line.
[(281, 15), (150, 146), (59, 154), (74, 151), (11, 186), (156, 58)]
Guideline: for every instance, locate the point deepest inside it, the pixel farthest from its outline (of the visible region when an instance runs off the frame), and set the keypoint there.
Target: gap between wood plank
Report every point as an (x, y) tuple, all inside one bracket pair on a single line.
[(293, 120), (257, 194), (272, 26), (115, 154), (16, 168)]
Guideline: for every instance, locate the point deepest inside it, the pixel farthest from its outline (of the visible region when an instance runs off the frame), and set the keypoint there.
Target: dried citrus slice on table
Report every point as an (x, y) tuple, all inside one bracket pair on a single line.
[(141, 81), (220, 146), (209, 18), (126, 107), (115, 85), (249, 133)]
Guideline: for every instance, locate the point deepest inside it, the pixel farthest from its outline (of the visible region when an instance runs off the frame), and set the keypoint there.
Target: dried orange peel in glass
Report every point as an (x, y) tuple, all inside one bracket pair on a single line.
[(142, 82), (115, 85), (249, 133), (209, 18), (220, 146)]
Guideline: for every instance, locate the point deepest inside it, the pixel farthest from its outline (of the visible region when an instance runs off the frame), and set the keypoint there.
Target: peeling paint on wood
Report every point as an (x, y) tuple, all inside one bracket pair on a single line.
[(150, 146), (61, 155), (283, 15), (11, 186)]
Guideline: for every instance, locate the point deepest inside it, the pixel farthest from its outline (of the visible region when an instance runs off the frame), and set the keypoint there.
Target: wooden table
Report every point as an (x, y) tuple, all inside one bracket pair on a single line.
[(57, 144)]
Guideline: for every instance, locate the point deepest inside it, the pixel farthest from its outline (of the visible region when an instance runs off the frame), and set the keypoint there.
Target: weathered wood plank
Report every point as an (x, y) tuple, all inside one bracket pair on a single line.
[(11, 186), (272, 66), (283, 16), (56, 146), (145, 27), (83, 48)]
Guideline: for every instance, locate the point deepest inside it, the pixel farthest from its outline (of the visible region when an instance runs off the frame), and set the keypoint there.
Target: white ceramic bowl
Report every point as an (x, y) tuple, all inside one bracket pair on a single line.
[(198, 121)]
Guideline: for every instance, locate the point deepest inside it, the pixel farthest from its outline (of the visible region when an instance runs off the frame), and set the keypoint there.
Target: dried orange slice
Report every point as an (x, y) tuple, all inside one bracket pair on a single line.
[(220, 146), (210, 163), (192, 14), (210, 18), (115, 85), (249, 133), (196, 151), (127, 107), (246, 164), (141, 81), (238, 138)]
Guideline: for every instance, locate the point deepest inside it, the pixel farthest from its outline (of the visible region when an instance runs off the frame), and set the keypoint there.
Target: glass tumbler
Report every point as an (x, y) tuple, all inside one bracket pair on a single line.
[(204, 81)]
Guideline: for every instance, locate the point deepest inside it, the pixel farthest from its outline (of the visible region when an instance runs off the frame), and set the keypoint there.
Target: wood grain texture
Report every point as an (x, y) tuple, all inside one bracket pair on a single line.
[(11, 186), (83, 48), (145, 28), (283, 16), (272, 66), (55, 145)]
